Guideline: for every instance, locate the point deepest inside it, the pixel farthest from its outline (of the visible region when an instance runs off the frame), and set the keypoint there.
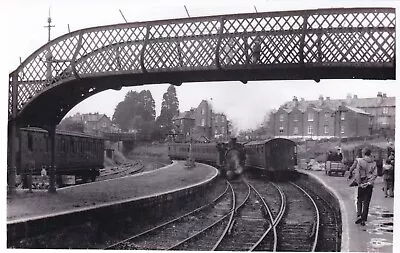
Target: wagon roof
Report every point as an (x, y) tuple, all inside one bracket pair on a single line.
[(40, 130), (262, 142)]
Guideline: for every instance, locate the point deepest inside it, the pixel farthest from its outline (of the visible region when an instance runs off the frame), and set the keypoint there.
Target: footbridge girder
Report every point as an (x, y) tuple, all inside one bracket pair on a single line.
[(290, 45)]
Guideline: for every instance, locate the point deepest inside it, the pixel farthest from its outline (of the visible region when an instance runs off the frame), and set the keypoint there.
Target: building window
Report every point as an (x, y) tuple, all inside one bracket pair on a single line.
[(295, 117), (104, 124), (216, 119), (371, 120), (203, 122), (281, 117), (222, 119), (326, 129), (181, 121), (295, 130), (342, 115), (385, 121), (310, 130), (385, 110), (216, 131), (310, 116), (202, 111), (342, 129), (222, 130), (281, 129)]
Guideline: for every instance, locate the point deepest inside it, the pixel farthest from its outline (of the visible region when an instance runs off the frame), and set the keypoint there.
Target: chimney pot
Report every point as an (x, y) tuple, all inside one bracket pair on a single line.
[(295, 98), (321, 97), (379, 94)]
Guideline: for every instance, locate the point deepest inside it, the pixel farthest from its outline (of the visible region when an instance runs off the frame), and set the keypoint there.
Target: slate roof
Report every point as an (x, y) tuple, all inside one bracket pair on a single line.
[(184, 115), (335, 103), (357, 110)]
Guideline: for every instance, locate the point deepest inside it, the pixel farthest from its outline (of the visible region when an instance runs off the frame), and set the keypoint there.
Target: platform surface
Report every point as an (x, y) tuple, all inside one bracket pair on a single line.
[(377, 235), (24, 205)]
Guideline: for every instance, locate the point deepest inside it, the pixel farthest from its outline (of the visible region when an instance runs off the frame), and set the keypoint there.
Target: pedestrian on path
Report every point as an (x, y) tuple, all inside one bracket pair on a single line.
[(365, 175)]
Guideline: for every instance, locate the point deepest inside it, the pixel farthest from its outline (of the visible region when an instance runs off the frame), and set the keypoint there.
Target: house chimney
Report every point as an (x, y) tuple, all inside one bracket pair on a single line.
[(320, 100), (302, 99), (348, 98), (328, 98), (379, 96), (295, 101), (355, 97), (384, 95)]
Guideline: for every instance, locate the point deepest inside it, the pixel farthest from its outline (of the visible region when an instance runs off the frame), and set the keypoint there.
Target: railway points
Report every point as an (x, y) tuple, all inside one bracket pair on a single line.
[(377, 235)]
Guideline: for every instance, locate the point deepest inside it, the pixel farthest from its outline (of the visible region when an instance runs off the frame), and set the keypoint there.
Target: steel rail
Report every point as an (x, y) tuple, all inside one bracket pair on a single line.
[(230, 223), (168, 222), (316, 224), (230, 212), (273, 221)]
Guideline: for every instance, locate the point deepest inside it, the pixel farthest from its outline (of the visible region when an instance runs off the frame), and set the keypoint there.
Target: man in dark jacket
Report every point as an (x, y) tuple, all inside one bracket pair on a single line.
[(365, 175)]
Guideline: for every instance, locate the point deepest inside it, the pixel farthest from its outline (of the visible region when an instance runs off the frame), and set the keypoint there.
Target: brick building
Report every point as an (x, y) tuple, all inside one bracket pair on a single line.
[(326, 118), (201, 123)]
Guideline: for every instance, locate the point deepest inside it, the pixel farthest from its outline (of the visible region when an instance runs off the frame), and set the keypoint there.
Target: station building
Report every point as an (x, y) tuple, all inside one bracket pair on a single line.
[(328, 118)]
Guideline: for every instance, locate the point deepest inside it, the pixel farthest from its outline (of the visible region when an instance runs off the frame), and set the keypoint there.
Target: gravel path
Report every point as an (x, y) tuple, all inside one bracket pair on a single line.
[(26, 205)]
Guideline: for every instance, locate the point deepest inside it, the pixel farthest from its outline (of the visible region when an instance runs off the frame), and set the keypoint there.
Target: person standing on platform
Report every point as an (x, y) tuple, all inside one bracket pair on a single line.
[(388, 178), (365, 175)]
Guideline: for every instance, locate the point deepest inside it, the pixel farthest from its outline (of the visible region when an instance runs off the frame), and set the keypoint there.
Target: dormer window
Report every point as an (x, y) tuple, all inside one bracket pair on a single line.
[(342, 115), (281, 117), (295, 117), (385, 110)]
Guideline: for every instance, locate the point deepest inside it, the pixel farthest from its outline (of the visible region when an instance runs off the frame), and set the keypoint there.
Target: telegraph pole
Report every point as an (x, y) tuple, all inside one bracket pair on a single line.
[(51, 129)]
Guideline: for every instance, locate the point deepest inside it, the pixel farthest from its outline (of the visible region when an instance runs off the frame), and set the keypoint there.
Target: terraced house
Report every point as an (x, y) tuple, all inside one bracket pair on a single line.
[(327, 118)]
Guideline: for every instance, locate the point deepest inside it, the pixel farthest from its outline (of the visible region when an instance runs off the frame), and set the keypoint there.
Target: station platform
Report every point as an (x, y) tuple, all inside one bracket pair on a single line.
[(377, 234), (24, 206)]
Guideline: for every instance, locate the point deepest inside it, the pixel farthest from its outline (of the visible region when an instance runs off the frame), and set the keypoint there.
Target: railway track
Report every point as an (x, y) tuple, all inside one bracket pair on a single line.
[(250, 215), (176, 231)]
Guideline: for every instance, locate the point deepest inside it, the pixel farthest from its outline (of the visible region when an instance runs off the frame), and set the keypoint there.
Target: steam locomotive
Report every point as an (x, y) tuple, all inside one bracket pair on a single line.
[(228, 157)]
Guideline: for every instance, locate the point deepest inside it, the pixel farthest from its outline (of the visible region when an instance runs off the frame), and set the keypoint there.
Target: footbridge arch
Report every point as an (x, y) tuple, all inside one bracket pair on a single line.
[(307, 44)]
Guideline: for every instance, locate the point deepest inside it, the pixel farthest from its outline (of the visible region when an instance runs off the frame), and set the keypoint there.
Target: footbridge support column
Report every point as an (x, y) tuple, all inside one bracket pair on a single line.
[(12, 167), (52, 172)]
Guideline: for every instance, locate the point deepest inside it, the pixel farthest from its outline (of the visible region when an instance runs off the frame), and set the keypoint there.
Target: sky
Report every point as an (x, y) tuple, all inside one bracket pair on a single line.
[(245, 105)]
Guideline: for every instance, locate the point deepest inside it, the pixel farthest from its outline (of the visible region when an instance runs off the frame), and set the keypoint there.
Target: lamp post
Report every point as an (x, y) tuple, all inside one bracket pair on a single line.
[(190, 163)]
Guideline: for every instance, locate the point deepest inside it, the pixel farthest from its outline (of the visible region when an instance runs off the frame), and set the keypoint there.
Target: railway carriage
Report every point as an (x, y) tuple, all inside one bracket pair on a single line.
[(277, 155), (204, 152), (76, 154)]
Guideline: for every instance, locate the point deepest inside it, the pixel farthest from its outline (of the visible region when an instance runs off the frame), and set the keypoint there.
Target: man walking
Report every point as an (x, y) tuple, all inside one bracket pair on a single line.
[(366, 173)]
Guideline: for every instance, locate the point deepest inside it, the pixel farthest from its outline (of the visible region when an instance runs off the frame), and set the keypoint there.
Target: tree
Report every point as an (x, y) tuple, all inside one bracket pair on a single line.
[(135, 109), (169, 109)]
